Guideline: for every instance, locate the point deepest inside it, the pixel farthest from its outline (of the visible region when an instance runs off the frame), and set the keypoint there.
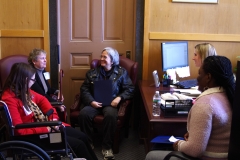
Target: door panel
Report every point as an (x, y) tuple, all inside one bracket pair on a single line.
[(85, 28)]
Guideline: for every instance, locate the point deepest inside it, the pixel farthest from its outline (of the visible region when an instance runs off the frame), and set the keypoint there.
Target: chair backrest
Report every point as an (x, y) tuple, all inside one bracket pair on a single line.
[(129, 65), (6, 65), (233, 151)]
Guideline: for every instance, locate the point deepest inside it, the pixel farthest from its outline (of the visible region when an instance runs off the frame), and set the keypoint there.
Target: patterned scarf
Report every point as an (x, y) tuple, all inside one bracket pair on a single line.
[(39, 116)]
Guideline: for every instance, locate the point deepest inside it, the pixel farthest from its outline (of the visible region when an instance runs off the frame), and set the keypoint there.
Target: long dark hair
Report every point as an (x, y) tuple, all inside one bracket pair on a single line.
[(18, 80), (220, 68)]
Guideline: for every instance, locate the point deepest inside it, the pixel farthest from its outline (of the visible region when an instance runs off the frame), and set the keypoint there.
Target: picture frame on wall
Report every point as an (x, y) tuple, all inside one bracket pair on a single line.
[(196, 1)]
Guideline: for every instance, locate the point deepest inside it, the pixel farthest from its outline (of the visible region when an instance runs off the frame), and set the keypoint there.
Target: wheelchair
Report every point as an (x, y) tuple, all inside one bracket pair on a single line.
[(22, 150), (44, 146)]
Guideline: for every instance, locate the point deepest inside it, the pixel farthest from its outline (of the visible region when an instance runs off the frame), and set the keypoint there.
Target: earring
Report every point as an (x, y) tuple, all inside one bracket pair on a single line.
[(205, 88)]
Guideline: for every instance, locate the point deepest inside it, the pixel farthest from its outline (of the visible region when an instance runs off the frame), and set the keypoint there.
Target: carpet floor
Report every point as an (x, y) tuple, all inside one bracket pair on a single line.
[(130, 148)]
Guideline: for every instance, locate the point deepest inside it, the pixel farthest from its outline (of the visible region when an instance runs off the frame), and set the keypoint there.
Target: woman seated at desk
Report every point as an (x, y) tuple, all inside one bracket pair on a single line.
[(202, 51), (209, 120)]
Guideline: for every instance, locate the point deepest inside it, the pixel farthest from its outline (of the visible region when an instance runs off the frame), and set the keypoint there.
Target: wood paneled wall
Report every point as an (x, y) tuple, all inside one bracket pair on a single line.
[(24, 25), (217, 24)]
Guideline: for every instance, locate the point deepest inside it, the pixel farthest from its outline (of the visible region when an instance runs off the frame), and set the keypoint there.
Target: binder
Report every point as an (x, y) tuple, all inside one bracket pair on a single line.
[(103, 92)]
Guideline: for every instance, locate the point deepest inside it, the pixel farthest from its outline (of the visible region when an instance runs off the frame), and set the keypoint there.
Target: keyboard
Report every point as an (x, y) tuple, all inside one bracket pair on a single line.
[(187, 83)]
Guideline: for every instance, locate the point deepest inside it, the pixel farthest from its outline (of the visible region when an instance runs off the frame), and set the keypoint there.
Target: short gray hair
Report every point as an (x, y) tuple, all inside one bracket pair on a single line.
[(113, 53), (33, 55)]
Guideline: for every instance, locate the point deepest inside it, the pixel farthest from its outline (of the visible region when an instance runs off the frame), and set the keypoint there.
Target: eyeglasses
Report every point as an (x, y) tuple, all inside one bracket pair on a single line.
[(42, 58), (34, 80)]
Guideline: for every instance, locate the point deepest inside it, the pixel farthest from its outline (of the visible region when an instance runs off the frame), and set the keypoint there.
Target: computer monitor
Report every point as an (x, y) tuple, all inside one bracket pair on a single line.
[(174, 54)]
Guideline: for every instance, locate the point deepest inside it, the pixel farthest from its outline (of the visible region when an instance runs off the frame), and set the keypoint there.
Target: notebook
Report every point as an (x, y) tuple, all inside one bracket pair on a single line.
[(103, 92)]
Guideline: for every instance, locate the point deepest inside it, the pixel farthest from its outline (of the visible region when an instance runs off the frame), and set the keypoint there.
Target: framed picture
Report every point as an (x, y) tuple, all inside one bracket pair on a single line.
[(196, 1)]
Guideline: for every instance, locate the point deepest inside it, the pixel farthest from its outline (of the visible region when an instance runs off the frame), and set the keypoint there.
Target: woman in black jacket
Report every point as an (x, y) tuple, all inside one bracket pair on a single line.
[(122, 88)]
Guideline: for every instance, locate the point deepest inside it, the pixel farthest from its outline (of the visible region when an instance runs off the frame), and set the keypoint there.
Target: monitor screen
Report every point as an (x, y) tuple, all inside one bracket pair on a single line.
[(174, 54)]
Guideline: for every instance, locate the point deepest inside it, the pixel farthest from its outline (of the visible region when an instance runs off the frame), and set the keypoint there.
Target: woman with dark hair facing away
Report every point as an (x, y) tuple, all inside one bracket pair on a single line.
[(26, 106), (209, 120), (202, 51)]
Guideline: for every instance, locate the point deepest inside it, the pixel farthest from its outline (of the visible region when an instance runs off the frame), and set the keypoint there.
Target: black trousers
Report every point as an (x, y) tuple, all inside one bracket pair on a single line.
[(79, 143), (86, 117)]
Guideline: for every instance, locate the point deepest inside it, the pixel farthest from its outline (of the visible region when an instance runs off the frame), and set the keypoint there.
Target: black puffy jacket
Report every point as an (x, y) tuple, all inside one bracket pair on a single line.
[(122, 84)]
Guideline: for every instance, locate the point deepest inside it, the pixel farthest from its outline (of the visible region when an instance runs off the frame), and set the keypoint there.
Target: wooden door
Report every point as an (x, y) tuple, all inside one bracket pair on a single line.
[(85, 28)]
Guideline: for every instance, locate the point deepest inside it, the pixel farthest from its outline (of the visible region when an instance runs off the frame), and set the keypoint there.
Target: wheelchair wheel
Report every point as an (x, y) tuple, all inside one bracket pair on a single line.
[(20, 150)]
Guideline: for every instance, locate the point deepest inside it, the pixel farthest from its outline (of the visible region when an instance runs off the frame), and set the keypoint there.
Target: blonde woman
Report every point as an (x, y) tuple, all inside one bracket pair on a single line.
[(202, 51)]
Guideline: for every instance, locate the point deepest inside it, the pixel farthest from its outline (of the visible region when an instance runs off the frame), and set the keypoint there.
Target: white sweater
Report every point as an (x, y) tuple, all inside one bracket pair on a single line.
[(209, 125)]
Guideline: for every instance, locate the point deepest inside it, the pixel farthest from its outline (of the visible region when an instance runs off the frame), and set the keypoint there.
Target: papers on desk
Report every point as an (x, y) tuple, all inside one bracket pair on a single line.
[(173, 139), (175, 103), (189, 92), (166, 104), (169, 100)]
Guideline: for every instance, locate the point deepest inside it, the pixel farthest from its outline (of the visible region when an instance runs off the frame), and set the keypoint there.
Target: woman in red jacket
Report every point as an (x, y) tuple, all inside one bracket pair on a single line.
[(27, 106)]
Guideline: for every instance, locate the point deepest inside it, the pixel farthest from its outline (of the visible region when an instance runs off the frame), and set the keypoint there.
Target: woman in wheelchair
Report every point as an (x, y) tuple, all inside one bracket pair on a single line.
[(27, 106)]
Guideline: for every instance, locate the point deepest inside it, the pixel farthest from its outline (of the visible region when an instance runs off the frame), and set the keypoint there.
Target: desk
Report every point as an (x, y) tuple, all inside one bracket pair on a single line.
[(151, 126)]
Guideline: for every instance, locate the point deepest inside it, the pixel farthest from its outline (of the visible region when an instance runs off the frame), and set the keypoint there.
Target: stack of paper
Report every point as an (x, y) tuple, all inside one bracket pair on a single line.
[(173, 139), (183, 72), (190, 92)]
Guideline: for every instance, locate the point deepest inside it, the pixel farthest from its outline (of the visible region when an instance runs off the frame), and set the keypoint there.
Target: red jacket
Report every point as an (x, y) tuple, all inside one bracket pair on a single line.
[(19, 115)]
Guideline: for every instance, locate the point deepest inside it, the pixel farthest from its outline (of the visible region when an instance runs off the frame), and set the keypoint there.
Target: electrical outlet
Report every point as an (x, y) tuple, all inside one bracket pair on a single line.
[(128, 54)]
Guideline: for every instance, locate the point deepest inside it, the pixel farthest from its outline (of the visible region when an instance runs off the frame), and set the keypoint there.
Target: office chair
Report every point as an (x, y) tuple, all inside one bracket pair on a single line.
[(54, 144), (5, 67), (124, 109)]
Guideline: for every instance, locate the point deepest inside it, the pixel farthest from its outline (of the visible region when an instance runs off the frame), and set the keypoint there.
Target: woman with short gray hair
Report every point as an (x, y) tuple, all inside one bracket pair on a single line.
[(113, 53), (122, 88)]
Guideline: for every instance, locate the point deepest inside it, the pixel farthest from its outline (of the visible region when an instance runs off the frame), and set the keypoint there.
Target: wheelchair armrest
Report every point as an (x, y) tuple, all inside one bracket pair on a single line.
[(56, 103), (38, 124), (180, 155)]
